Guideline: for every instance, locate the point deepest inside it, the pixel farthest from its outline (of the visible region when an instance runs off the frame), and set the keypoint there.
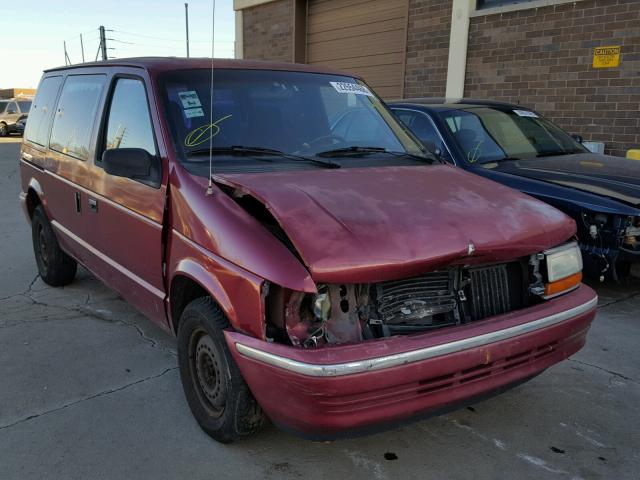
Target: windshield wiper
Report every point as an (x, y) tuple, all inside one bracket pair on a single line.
[(242, 150), (348, 150), (357, 150)]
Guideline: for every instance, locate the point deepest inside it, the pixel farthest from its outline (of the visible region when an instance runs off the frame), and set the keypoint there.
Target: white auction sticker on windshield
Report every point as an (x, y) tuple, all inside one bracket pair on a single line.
[(193, 112), (526, 113), (344, 87), (189, 99)]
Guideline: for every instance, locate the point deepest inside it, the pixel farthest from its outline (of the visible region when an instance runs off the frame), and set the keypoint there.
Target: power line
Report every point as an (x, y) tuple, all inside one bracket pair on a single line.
[(121, 41), (165, 39), (147, 36)]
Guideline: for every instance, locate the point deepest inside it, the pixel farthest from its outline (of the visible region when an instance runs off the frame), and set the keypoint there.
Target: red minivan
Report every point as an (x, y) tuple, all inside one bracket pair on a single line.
[(318, 266)]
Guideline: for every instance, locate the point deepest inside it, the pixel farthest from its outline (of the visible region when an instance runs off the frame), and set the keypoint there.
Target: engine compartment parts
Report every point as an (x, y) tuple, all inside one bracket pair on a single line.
[(355, 312), (347, 313)]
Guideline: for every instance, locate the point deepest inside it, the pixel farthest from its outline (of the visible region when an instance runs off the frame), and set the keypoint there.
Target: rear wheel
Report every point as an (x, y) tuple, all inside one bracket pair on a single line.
[(55, 267), (215, 390), (4, 131)]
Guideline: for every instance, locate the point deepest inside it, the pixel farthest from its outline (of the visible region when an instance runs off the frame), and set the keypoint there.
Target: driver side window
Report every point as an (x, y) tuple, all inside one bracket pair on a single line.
[(129, 122)]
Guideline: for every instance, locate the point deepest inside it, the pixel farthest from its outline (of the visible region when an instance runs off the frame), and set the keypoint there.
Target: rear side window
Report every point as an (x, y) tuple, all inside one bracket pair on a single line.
[(129, 124), (41, 112), (75, 115)]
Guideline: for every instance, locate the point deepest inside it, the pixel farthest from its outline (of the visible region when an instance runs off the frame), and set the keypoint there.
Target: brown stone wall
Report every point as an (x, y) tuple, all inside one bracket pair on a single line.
[(542, 58), (268, 31), (427, 48)]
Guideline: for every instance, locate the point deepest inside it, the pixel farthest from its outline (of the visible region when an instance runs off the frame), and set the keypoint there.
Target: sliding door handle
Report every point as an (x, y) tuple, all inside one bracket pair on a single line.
[(93, 204)]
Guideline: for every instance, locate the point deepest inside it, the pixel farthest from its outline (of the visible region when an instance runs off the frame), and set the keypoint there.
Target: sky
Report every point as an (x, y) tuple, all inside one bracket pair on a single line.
[(33, 32)]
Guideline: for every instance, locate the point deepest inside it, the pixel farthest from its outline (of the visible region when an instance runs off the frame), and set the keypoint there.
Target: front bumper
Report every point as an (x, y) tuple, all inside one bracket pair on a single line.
[(327, 392)]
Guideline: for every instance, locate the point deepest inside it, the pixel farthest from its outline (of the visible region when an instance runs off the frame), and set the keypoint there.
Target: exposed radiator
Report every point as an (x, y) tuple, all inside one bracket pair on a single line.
[(415, 300), (489, 291)]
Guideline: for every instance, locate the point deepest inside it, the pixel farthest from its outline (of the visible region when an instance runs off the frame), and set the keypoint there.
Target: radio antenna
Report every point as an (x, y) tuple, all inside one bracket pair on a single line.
[(213, 37)]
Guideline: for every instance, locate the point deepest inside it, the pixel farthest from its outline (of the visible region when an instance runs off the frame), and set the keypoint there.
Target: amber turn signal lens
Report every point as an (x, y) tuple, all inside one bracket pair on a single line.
[(562, 285)]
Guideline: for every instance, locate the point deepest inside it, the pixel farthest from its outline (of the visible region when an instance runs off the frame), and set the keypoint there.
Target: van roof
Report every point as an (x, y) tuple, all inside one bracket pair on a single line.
[(161, 64)]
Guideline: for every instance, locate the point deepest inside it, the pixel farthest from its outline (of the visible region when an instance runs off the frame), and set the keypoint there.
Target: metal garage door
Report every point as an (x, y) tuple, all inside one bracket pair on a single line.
[(366, 37)]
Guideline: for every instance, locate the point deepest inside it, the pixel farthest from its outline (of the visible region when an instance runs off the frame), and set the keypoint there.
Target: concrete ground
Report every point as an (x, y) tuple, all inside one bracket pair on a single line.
[(89, 390)]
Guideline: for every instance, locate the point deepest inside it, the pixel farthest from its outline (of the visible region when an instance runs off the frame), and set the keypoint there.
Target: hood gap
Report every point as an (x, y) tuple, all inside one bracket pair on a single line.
[(260, 212)]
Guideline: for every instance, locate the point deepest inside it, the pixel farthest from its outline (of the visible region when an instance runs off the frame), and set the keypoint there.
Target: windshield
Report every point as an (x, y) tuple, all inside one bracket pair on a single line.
[(295, 113), (25, 106), (487, 134)]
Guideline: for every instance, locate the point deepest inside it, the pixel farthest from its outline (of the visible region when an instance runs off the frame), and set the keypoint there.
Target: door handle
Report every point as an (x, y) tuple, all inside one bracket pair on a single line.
[(93, 204), (78, 202)]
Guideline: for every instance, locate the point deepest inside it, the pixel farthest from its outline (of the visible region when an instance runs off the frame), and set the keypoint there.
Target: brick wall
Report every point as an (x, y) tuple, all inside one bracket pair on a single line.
[(268, 31), (542, 58), (427, 48)]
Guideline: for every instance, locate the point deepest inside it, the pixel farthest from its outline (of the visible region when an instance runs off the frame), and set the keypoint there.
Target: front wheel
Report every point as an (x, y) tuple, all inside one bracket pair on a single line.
[(215, 390), (55, 267), (4, 131)]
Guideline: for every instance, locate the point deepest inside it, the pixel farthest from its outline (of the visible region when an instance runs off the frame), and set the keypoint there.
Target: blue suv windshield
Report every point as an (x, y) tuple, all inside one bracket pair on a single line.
[(487, 134)]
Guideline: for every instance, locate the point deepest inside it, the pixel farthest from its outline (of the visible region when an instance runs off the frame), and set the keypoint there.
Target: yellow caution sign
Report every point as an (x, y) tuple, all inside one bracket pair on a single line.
[(606, 57)]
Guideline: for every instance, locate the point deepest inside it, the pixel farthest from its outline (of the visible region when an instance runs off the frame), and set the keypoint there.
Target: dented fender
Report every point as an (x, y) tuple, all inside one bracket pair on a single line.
[(236, 291), (219, 225)]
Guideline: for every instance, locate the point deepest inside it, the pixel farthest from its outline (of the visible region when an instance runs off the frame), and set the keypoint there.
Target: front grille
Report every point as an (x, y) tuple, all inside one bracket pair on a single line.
[(490, 294), (416, 300)]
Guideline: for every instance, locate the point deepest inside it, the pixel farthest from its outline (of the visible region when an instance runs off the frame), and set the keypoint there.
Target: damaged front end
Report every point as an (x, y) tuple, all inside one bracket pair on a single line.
[(610, 244), (459, 294)]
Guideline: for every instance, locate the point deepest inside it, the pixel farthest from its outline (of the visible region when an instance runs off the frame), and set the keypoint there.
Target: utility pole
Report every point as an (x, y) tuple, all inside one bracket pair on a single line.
[(82, 48), (103, 43), (186, 22)]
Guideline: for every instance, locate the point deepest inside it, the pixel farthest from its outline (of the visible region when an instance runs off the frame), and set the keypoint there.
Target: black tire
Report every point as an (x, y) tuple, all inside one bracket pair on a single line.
[(55, 267), (218, 396), (4, 131)]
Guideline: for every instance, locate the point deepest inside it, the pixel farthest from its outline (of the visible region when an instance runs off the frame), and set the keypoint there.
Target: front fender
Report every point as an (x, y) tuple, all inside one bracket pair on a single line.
[(237, 291)]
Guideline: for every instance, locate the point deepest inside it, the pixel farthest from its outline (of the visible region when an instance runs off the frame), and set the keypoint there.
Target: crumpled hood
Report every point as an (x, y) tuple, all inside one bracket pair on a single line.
[(613, 177), (374, 224)]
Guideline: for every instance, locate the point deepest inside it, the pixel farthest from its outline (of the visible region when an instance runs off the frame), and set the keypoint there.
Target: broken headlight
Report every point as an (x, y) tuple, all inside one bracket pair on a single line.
[(563, 267)]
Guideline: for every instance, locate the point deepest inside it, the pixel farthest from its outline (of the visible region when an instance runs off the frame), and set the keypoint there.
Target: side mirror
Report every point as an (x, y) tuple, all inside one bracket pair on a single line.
[(577, 138), (134, 163)]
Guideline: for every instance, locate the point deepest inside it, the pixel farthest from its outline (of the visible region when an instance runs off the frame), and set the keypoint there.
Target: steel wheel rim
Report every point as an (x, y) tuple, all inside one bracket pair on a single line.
[(206, 373), (43, 251)]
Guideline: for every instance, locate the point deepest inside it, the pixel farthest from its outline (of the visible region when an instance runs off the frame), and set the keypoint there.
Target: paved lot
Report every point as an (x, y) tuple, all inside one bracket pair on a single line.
[(89, 390)]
